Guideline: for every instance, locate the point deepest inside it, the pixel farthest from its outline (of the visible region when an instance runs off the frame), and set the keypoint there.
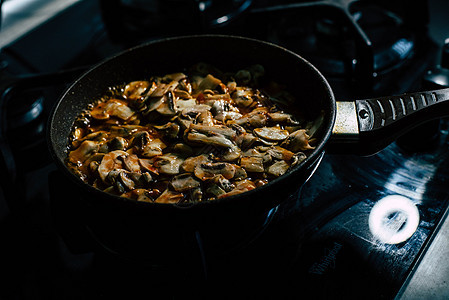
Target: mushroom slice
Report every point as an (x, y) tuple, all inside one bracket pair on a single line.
[(242, 96), (111, 161), (245, 140), (190, 163), (214, 140), (240, 187), (131, 163), (168, 164), (118, 143), (223, 183), (141, 195), (169, 197), (169, 129), (126, 181), (112, 107), (214, 191), (205, 118), (184, 182), (279, 117), (196, 194), (182, 149), (207, 171), (297, 141), (83, 152), (153, 148), (162, 88), (140, 140), (278, 168), (175, 76), (252, 164), (168, 105), (147, 164), (208, 83), (181, 104), (298, 158), (271, 133), (194, 110), (215, 130), (135, 89), (256, 118), (280, 153), (228, 154), (240, 173)]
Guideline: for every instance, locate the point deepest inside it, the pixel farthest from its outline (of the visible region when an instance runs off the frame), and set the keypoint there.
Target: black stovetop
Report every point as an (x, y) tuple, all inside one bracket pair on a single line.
[(337, 237)]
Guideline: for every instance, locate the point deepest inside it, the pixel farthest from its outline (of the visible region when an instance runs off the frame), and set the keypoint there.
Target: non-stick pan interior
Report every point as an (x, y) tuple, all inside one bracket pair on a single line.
[(174, 55)]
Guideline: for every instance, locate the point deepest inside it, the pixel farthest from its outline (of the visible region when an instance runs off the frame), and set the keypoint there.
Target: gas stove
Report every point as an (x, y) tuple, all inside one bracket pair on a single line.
[(360, 226)]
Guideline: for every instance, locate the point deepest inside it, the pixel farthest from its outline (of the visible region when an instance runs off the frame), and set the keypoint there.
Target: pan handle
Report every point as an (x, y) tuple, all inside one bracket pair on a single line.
[(367, 126)]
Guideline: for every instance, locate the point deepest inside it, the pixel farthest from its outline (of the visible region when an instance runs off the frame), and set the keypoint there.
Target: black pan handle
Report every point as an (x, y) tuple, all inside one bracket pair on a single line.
[(367, 126)]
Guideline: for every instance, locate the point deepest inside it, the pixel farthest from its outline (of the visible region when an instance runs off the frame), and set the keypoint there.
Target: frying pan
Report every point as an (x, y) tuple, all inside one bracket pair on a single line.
[(360, 127)]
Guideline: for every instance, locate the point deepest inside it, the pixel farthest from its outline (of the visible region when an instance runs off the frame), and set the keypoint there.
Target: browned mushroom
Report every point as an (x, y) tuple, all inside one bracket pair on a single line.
[(188, 138)]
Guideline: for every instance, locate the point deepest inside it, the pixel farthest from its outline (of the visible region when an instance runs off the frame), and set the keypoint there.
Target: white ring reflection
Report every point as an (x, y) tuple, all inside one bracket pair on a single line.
[(393, 219)]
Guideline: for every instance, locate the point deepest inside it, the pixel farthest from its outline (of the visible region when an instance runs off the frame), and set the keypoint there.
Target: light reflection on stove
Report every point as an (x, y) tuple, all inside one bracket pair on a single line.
[(393, 219)]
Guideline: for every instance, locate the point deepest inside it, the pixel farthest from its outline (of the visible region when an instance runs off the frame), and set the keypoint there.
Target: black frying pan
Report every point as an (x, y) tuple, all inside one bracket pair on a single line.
[(362, 126)]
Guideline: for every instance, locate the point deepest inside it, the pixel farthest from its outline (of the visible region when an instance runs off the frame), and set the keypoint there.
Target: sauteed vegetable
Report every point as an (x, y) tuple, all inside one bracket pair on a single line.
[(186, 137)]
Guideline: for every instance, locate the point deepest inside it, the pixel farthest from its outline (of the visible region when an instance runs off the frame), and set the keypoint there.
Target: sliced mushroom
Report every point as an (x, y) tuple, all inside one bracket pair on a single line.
[(229, 154), (207, 171), (252, 164), (205, 118), (256, 118), (131, 163), (240, 173), (169, 164), (112, 107), (213, 140), (163, 88), (215, 130), (169, 197), (243, 97), (147, 164), (169, 130), (196, 194), (280, 117), (278, 168), (223, 183), (214, 191), (177, 138), (135, 89), (153, 148), (182, 149), (118, 143), (181, 105), (280, 153), (298, 158), (83, 152), (208, 83), (184, 182), (126, 181), (167, 106), (271, 133), (297, 141), (110, 162), (194, 111), (240, 187), (190, 163), (141, 195)]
